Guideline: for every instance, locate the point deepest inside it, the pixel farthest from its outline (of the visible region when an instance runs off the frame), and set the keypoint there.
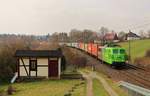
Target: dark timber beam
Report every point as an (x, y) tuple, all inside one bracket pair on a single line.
[(25, 67), (36, 72), (18, 67)]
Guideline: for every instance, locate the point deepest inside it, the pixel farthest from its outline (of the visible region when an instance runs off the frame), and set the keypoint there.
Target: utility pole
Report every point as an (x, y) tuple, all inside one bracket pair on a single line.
[(129, 47), (102, 49), (84, 40)]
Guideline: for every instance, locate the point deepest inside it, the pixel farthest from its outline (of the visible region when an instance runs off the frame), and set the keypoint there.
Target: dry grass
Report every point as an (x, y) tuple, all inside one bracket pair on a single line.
[(143, 61)]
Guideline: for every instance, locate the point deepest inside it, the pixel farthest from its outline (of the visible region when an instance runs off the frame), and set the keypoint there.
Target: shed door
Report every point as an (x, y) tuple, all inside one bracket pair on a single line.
[(53, 68)]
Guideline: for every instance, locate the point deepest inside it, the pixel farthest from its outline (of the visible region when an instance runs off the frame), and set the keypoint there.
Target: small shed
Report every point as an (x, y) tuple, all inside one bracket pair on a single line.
[(47, 63)]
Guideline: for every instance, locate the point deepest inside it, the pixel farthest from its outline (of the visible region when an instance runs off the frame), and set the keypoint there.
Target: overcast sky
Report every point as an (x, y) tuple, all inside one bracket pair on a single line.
[(48, 16)]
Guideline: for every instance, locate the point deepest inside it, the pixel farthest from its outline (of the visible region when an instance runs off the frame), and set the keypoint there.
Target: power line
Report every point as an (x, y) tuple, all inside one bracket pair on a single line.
[(145, 23), (139, 26)]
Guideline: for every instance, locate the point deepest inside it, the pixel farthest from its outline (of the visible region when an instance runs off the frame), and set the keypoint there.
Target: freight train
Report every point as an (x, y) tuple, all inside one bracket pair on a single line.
[(113, 56)]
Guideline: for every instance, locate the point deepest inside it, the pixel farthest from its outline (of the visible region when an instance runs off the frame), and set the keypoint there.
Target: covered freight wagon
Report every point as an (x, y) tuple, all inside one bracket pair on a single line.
[(86, 47), (94, 48), (89, 48), (100, 48), (75, 45), (81, 46)]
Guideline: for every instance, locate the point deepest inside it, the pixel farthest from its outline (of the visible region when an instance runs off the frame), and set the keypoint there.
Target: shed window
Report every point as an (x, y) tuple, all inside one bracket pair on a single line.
[(33, 65)]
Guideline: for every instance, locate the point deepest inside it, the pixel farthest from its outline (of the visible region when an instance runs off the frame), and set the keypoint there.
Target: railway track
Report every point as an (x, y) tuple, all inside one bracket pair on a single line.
[(132, 77), (131, 73)]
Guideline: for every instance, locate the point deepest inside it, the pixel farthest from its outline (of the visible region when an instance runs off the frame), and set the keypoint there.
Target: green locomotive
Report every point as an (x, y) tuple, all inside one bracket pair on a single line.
[(114, 56)]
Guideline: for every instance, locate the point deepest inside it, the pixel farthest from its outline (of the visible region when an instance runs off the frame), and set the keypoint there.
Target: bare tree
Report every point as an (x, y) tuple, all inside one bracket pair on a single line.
[(148, 33), (7, 60), (75, 35), (103, 30), (121, 34), (142, 33), (89, 36)]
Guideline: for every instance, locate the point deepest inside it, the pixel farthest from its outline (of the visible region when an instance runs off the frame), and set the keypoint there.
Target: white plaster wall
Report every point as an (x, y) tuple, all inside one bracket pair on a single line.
[(23, 72), (26, 61), (42, 61), (22, 69), (42, 71), (33, 73)]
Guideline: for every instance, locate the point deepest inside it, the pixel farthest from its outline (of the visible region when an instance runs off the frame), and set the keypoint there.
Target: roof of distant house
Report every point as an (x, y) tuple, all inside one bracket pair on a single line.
[(131, 34), (111, 36), (38, 53)]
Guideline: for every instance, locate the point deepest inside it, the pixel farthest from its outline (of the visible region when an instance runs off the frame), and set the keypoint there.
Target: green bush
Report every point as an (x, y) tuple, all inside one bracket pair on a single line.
[(148, 53)]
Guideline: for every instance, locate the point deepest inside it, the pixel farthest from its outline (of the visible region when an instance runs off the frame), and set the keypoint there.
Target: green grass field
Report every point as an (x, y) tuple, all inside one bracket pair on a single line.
[(138, 47), (98, 89), (47, 88)]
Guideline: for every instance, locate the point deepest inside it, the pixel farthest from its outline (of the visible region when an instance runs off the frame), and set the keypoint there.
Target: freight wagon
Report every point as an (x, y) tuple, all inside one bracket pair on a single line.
[(81, 46), (94, 50), (89, 49), (86, 47)]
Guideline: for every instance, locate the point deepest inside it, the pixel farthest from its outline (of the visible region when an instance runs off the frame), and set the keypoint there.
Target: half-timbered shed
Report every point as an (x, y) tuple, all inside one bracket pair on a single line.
[(47, 63)]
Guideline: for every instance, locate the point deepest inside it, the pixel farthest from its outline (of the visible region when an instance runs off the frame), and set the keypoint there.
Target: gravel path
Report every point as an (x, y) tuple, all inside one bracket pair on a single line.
[(89, 84), (89, 78), (107, 87)]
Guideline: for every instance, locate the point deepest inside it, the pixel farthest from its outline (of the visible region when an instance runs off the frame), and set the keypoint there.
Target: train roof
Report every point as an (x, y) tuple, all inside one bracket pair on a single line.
[(114, 47)]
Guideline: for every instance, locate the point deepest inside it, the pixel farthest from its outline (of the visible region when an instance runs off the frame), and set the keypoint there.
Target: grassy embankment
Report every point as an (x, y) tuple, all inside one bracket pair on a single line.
[(138, 47), (46, 88)]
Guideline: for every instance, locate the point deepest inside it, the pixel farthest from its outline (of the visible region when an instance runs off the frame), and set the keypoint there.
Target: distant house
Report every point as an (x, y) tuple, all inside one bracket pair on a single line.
[(131, 36), (111, 37), (47, 63)]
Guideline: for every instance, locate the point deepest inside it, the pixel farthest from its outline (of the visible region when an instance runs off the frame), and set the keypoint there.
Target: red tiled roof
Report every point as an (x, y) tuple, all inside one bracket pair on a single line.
[(111, 36)]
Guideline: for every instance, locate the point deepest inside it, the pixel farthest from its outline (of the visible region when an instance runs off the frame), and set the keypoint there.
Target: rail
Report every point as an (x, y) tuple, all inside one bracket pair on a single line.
[(134, 66), (134, 90)]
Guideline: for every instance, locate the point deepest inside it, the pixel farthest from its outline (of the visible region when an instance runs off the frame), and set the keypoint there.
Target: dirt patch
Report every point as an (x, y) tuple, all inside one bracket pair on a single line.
[(143, 62), (147, 53)]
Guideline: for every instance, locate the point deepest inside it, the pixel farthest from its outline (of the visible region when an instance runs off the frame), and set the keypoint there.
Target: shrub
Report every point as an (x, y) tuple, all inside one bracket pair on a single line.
[(143, 61), (7, 59), (148, 53), (10, 90), (80, 61)]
